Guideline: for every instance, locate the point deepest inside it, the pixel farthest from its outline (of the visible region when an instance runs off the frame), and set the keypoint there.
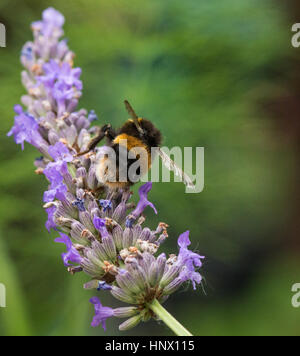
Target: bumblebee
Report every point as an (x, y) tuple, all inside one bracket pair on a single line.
[(135, 136)]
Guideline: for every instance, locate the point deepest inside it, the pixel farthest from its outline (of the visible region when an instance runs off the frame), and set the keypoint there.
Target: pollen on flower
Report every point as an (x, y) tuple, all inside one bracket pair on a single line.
[(163, 225), (35, 92), (85, 233), (172, 259), (39, 171), (89, 155), (109, 268), (133, 249), (110, 223), (37, 69), (64, 141), (64, 116)]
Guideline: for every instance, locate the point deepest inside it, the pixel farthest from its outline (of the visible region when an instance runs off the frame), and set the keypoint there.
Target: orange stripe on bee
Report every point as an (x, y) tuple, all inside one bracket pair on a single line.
[(131, 141), (140, 119)]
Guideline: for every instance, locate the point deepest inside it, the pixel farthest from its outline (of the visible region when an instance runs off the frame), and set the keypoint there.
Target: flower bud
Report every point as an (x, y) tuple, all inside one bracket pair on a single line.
[(130, 323)]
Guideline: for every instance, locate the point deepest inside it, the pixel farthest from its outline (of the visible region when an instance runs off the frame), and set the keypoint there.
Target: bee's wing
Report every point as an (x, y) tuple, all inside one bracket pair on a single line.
[(171, 165)]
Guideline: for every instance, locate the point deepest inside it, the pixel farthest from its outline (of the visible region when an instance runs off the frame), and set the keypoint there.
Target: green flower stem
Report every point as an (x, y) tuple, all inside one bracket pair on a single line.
[(168, 319)]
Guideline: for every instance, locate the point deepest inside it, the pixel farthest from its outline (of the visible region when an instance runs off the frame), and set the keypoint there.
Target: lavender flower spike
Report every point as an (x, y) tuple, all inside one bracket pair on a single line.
[(119, 255)]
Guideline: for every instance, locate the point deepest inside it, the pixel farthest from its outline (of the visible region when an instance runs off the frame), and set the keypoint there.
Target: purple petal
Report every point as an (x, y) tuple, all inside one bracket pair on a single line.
[(18, 109), (183, 240), (143, 202), (103, 286), (60, 152), (54, 17), (49, 195), (25, 129), (188, 260), (53, 173), (96, 300), (50, 224), (72, 255), (101, 313), (100, 226)]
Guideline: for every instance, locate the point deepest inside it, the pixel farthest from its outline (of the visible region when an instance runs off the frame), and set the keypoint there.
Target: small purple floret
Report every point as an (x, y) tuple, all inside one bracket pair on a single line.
[(79, 203), (72, 255), (103, 286), (25, 129), (142, 204), (57, 188), (50, 224), (106, 204), (59, 152), (92, 116), (100, 226), (101, 313), (189, 260), (52, 19)]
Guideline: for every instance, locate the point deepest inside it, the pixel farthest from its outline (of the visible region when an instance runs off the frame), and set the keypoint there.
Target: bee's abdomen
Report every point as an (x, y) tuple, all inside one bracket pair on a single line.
[(123, 163), (134, 144)]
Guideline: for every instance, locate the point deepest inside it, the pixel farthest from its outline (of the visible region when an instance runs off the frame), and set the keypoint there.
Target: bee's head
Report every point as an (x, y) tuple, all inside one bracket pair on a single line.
[(151, 134), (143, 128)]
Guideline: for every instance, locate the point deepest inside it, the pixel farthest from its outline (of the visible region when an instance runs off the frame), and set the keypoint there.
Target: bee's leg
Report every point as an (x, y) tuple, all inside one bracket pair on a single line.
[(110, 133), (101, 133)]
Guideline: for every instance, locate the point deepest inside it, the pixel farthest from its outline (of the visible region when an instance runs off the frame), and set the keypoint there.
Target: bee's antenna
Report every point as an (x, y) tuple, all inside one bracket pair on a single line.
[(134, 116), (130, 110)]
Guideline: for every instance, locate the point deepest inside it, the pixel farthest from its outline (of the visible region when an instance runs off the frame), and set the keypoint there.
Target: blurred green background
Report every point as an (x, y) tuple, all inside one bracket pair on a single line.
[(216, 74)]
